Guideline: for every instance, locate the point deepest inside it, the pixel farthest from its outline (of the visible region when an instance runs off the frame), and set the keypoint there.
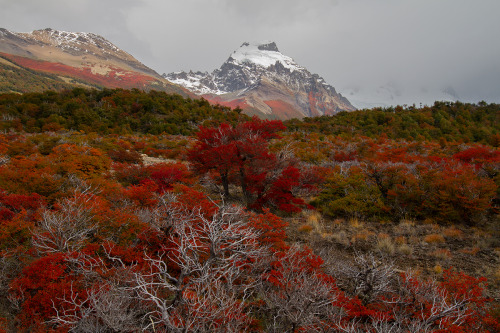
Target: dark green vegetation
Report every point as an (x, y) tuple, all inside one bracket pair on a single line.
[(134, 111), (110, 111), (442, 121)]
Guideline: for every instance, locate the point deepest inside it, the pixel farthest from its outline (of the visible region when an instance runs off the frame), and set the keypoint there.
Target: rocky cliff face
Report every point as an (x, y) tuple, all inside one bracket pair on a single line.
[(263, 81)]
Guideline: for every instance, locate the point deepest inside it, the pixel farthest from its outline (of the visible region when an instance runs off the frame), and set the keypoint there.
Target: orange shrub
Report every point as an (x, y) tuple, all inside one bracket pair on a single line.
[(453, 232), (442, 254), (362, 236), (306, 228), (400, 240), (85, 162), (434, 238), (471, 250)]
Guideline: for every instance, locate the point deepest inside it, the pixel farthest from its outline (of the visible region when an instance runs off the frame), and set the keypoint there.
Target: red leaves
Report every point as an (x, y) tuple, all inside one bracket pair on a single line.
[(164, 175), (142, 195), (241, 155), (14, 203), (279, 192), (42, 286), (17, 213), (272, 228), (478, 155)]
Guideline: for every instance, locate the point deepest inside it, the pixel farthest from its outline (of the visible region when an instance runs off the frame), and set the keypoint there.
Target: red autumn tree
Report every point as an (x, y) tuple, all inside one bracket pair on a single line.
[(215, 151), (240, 155)]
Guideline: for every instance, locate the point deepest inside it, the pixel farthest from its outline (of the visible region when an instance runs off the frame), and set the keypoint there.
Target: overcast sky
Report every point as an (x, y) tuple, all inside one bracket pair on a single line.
[(364, 43)]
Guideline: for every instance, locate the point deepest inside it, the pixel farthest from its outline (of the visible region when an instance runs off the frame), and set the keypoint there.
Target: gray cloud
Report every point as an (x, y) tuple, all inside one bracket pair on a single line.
[(366, 43), (278, 13)]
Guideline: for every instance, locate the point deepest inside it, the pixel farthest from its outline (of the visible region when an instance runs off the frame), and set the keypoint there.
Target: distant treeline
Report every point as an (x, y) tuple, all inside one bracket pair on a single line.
[(442, 121), (134, 111), (110, 111)]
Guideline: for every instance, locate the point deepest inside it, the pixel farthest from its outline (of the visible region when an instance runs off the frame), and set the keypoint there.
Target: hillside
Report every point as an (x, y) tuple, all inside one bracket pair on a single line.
[(17, 79), (85, 57)]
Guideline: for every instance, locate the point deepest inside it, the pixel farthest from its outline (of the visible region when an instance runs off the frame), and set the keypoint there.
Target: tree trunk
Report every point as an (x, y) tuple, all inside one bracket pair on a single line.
[(244, 189), (225, 184)]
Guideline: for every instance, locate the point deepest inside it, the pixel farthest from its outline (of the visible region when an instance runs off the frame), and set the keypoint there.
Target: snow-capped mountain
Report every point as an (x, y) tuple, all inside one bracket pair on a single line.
[(261, 80), (86, 57)]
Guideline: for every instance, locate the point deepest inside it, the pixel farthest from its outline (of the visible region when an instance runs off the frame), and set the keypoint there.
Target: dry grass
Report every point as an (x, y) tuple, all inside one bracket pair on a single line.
[(405, 249), (453, 232), (442, 254), (6, 62), (362, 236), (383, 235), (429, 221), (355, 223), (385, 244), (305, 229), (414, 240), (340, 237), (413, 245), (438, 269), (338, 222), (314, 219), (434, 227), (407, 223), (497, 275), (400, 240), (405, 227), (471, 250), (434, 239)]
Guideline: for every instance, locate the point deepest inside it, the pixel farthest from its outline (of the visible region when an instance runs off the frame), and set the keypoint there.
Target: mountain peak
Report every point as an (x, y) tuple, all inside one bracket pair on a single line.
[(72, 39), (268, 46), (264, 81), (262, 45), (262, 54)]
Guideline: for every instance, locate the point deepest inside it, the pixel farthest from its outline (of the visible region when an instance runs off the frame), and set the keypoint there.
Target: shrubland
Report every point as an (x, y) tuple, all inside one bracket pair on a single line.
[(124, 211)]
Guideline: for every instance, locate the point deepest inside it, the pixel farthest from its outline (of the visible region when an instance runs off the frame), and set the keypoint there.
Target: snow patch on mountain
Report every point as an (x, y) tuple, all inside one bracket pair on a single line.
[(77, 41), (263, 54), (80, 38), (200, 82), (245, 68)]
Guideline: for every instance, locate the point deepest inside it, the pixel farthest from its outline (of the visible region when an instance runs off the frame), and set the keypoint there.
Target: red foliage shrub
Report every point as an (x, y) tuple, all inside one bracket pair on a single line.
[(142, 195), (478, 155), (272, 229), (125, 156), (165, 175), (42, 287)]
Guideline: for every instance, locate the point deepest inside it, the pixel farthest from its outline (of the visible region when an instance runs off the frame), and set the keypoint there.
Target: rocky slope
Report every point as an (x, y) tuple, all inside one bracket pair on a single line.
[(86, 57), (261, 80)]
